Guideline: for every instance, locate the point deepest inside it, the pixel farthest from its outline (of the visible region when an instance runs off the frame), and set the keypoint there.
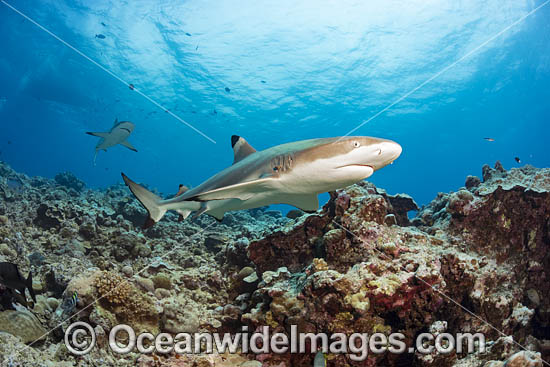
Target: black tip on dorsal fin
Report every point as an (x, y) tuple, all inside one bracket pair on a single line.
[(234, 140), (241, 148)]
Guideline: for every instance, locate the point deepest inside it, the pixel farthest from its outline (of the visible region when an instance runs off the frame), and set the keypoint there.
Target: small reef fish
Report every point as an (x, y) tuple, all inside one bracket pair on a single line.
[(320, 360), (103, 24), (12, 279), (489, 139), (131, 86), (117, 135), (293, 173), (227, 89), (100, 36), (8, 299), (517, 159), (68, 305)]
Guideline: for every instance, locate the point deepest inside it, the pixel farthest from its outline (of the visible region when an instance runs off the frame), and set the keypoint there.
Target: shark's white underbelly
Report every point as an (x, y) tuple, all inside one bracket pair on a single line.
[(299, 189), (218, 207)]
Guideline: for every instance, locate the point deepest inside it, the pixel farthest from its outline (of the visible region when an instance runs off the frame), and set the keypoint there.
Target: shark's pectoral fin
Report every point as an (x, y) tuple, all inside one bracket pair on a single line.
[(218, 215), (242, 191), (98, 134), (308, 203), (127, 144)]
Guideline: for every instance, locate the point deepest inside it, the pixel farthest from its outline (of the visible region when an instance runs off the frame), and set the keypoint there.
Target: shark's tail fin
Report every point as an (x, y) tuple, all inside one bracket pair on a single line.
[(149, 201), (29, 287)]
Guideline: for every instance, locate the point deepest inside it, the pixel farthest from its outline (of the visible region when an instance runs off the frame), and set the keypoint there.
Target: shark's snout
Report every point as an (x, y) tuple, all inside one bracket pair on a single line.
[(394, 150), (388, 151)]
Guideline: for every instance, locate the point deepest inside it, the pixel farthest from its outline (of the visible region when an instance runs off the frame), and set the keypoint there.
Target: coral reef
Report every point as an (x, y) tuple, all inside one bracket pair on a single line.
[(70, 181), (358, 265), (485, 248)]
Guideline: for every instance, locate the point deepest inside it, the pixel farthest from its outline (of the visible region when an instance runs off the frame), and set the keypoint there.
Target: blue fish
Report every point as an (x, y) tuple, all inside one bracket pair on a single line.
[(320, 360)]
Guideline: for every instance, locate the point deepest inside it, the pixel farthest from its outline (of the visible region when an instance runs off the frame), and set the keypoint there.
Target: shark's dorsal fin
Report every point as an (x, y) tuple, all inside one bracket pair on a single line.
[(241, 148)]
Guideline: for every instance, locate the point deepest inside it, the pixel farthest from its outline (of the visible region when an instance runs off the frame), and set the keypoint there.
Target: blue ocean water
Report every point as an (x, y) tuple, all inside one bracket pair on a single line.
[(274, 72)]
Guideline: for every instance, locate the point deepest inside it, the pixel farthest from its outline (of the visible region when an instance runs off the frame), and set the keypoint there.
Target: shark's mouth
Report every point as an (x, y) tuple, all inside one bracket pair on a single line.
[(357, 165)]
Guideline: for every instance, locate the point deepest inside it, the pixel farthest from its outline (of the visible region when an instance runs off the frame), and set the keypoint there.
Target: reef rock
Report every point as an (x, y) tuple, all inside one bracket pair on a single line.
[(357, 265), (472, 246), (23, 324)]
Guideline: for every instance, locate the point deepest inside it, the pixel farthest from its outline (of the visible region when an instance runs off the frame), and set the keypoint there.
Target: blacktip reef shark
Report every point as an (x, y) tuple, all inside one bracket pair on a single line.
[(117, 135), (293, 173)]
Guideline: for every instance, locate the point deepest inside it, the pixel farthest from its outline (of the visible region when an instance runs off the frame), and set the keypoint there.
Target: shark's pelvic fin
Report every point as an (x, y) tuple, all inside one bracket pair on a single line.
[(241, 148), (149, 200), (242, 191), (127, 144), (98, 134), (183, 214)]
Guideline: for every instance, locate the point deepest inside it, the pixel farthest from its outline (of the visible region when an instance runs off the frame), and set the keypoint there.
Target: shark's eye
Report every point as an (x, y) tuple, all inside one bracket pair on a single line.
[(356, 144), (275, 169)]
